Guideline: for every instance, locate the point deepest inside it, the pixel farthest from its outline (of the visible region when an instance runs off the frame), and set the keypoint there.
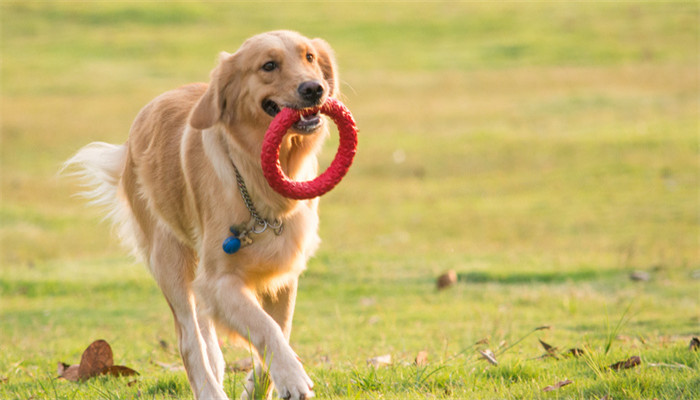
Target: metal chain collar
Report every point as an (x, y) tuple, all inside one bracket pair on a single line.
[(259, 224)]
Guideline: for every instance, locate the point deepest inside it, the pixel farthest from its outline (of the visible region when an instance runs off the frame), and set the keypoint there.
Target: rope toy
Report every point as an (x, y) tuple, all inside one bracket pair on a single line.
[(334, 173)]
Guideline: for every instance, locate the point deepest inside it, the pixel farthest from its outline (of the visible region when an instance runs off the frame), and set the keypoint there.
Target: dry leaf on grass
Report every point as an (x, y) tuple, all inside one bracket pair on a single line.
[(626, 364), (557, 385), (548, 347), (380, 361), (447, 279), (575, 352), (118, 370), (551, 350), (69, 372), (640, 276), (96, 360), (489, 356), (422, 358)]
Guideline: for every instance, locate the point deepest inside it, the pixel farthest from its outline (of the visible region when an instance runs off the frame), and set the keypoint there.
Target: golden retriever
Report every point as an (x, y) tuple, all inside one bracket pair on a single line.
[(172, 191)]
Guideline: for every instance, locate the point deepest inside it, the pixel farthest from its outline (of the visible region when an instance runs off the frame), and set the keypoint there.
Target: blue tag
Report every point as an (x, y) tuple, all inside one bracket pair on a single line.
[(231, 245)]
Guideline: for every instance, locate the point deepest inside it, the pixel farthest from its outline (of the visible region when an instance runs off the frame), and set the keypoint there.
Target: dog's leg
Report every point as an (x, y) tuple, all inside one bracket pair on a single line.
[(235, 305), (172, 266), (280, 306), (216, 358)]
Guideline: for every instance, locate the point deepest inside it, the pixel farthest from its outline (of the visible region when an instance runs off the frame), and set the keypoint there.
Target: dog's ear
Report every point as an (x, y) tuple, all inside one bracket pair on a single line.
[(326, 59), (217, 101)]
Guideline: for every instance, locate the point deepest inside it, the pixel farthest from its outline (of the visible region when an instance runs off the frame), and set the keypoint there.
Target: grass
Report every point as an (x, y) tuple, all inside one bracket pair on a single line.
[(543, 151)]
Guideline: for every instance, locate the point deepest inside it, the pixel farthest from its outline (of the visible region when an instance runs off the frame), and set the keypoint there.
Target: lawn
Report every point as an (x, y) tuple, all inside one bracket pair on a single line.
[(545, 152)]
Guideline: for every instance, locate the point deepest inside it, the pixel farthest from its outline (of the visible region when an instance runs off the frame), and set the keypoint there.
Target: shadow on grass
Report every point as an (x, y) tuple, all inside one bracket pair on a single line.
[(36, 288), (540, 277)]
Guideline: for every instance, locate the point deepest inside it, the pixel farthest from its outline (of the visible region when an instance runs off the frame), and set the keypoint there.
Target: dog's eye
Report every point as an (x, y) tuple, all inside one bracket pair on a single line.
[(269, 66), (309, 57)]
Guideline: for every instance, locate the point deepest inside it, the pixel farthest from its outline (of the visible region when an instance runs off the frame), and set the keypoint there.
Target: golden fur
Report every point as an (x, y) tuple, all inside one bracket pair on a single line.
[(171, 189)]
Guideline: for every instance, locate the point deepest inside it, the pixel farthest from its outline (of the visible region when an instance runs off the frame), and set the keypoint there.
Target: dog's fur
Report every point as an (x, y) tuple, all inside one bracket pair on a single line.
[(171, 189)]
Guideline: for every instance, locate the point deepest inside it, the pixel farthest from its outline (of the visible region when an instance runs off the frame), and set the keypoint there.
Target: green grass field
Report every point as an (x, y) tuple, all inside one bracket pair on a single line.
[(543, 151)]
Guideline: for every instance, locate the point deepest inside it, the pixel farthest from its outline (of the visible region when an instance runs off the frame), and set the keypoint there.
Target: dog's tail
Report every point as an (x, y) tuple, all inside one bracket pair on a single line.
[(99, 167)]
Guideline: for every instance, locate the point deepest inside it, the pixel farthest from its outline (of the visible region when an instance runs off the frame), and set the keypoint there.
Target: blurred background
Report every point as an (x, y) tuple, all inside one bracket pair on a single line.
[(541, 128), (553, 144)]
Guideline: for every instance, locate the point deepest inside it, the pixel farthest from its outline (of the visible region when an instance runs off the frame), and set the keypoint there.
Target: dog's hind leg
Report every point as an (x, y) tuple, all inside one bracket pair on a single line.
[(216, 358), (172, 265)]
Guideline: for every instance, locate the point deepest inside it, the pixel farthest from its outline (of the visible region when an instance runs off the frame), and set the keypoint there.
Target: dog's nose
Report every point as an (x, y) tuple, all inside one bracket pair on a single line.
[(311, 91)]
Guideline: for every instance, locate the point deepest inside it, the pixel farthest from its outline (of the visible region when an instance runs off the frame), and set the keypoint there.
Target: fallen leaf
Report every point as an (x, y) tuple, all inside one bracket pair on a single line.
[(422, 358), (546, 345), (575, 352), (118, 370), (489, 356), (551, 350), (694, 344), (557, 385), (380, 361), (447, 279), (95, 359), (640, 276), (626, 364), (69, 372), (61, 368)]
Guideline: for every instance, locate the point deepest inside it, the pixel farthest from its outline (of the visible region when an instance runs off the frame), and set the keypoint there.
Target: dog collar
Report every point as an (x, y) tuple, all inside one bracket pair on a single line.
[(242, 234)]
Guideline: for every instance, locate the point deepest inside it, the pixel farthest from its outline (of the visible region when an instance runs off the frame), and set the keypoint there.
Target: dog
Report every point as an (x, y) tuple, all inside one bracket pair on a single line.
[(189, 176)]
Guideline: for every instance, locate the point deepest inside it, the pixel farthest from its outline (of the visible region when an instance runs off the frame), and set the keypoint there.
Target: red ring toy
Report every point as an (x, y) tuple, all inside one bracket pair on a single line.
[(336, 171)]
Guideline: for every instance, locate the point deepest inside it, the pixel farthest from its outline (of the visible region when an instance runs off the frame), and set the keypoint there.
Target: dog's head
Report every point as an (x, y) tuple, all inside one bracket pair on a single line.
[(270, 71)]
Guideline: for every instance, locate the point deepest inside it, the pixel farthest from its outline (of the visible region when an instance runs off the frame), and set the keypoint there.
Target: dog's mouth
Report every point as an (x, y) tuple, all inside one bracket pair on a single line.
[(306, 124)]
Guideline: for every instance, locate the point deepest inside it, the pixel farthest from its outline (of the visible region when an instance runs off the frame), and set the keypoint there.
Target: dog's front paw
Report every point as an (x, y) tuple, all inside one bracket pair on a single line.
[(291, 381)]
